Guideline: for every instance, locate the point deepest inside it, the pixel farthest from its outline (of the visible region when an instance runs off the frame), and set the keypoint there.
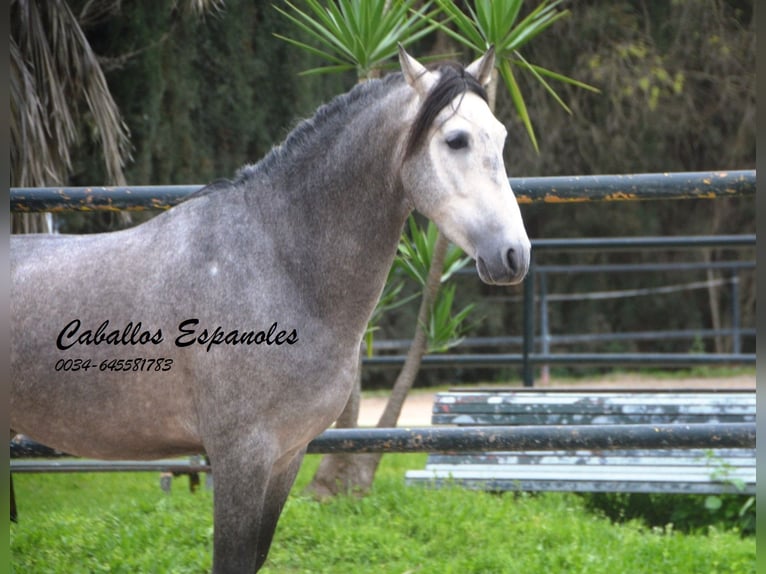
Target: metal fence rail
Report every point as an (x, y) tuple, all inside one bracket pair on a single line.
[(507, 438), (603, 359), (689, 185), (523, 438)]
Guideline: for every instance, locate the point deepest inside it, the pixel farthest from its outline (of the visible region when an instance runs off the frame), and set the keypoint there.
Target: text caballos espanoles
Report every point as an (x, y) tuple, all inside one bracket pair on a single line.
[(189, 333)]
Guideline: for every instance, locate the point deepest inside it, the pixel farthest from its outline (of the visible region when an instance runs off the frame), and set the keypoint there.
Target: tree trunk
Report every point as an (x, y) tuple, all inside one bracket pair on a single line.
[(354, 473), (714, 290), (714, 302)]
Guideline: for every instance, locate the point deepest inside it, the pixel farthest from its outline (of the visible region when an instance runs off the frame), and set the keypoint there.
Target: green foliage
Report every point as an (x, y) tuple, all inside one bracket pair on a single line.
[(446, 328), (356, 35), (416, 251), (391, 299), (495, 23), (201, 96), (499, 23), (697, 346), (124, 523), (688, 513)]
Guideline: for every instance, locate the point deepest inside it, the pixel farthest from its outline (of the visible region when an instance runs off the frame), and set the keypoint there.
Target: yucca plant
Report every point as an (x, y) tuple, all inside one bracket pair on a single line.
[(359, 35), (416, 250), (443, 328), (446, 327), (499, 23), (390, 299)]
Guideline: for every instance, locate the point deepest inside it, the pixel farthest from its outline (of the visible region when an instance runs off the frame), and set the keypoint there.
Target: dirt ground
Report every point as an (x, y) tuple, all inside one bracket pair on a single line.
[(417, 408)]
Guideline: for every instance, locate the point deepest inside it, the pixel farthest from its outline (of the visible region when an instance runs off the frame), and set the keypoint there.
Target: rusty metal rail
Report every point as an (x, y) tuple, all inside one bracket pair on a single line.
[(484, 438), (553, 437), (566, 189)]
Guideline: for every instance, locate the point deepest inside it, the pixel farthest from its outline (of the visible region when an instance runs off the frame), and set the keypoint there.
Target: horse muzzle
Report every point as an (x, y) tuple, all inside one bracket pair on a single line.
[(504, 266)]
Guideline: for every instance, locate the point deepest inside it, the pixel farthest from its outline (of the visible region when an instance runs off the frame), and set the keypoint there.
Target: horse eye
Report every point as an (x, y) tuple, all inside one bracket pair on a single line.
[(457, 140)]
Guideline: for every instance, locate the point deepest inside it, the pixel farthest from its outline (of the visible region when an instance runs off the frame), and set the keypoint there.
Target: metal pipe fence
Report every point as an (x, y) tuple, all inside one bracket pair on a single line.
[(538, 303), (542, 271), (544, 297), (499, 438)]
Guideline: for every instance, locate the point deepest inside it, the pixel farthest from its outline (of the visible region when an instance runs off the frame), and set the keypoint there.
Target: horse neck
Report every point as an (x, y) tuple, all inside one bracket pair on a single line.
[(346, 207)]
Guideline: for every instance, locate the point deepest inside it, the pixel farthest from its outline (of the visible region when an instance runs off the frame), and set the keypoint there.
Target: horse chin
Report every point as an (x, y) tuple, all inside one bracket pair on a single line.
[(498, 277), (484, 273)]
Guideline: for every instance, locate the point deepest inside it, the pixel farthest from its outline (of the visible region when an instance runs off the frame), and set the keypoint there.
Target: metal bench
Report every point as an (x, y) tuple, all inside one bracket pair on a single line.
[(689, 471)]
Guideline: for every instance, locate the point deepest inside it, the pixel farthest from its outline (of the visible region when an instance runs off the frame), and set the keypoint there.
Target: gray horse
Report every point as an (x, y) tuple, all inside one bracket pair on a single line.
[(232, 323)]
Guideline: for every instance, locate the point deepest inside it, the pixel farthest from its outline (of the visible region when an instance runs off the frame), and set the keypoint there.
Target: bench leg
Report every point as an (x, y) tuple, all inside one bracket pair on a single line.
[(166, 481), (14, 513), (193, 481)]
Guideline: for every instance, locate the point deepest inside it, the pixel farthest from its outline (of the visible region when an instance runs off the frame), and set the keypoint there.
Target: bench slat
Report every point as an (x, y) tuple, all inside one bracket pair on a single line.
[(717, 462), (661, 473), (604, 402), (574, 419), (561, 484), (710, 402)]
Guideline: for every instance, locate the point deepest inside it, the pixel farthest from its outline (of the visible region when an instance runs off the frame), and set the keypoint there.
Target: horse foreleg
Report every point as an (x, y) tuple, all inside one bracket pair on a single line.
[(280, 483), (248, 498), (238, 501)]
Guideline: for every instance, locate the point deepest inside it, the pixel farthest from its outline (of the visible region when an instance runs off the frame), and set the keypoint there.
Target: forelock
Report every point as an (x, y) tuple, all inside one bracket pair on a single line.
[(453, 81)]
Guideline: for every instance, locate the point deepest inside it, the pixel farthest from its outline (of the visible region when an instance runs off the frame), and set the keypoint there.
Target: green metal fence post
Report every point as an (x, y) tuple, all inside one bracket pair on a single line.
[(529, 322)]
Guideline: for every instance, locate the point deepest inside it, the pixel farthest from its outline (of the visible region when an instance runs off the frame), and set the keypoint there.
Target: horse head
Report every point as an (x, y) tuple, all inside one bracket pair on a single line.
[(453, 171)]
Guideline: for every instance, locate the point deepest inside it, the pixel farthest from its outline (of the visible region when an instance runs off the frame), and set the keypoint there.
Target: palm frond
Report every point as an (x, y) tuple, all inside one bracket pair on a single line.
[(58, 93)]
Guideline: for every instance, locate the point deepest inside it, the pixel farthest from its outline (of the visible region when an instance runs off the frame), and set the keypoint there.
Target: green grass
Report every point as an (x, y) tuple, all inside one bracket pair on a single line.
[(125, 523)]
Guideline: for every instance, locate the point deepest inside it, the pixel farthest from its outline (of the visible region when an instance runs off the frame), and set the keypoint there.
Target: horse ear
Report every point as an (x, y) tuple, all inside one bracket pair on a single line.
[(416, 73), (481, 69)]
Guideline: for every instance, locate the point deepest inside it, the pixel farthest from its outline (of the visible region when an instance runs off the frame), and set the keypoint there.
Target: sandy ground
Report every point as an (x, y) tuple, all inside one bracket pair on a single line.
[(417, 408)]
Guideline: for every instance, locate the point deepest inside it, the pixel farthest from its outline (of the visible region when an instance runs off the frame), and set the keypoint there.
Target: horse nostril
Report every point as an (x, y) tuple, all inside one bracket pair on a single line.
[(513, 261)]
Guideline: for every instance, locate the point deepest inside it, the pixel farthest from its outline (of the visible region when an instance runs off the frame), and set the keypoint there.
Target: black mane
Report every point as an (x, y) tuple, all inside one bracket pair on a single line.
[(333, 116), (453, 81)]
